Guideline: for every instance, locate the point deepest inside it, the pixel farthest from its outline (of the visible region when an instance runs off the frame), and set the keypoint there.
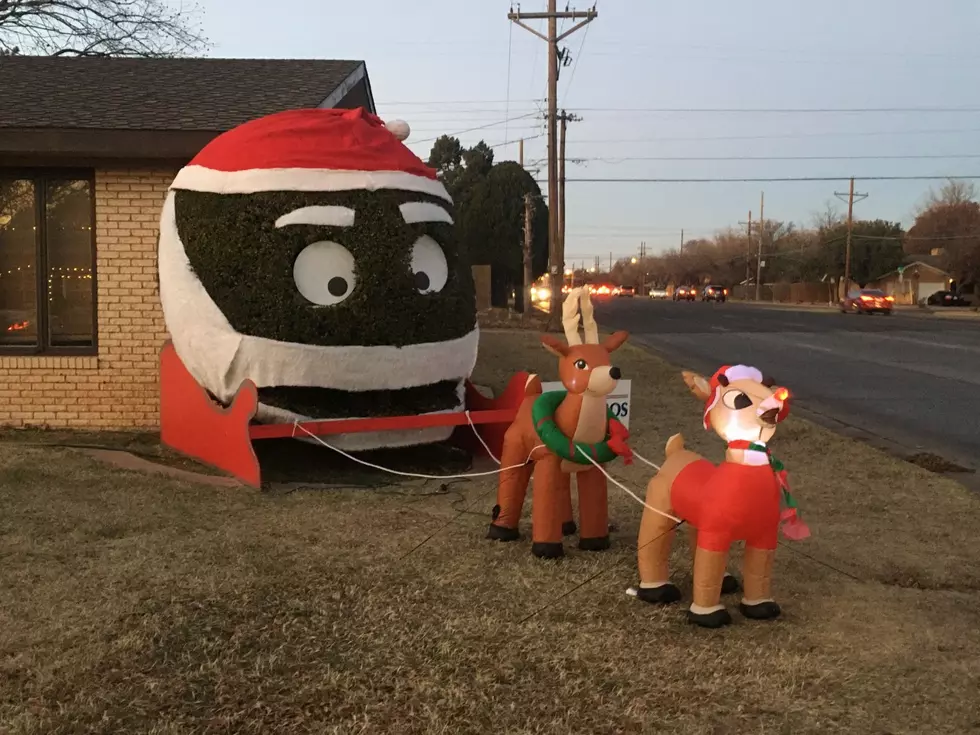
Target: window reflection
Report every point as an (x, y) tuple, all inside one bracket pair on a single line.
[(68, 236), (18, 263)]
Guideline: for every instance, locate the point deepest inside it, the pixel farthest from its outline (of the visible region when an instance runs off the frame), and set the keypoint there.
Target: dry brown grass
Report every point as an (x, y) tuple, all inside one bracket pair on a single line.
[(137, 604)]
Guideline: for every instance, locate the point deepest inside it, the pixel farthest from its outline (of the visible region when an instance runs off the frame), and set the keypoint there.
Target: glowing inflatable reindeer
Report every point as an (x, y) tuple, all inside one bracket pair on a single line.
[(734, 501), (559, 426)]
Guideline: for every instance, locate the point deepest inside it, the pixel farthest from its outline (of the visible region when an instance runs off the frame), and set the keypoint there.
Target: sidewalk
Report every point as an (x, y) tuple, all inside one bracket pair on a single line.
[(922, 311)]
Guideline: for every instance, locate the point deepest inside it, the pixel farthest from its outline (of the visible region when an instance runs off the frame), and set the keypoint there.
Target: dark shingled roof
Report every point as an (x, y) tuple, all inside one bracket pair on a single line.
[(159, 94)]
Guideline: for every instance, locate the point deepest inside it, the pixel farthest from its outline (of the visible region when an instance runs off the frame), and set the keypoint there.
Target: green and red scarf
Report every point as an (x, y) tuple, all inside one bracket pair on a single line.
[(791, 519)]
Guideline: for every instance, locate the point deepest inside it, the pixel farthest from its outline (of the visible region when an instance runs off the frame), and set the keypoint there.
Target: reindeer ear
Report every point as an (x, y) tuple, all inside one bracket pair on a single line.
[(614, 341), (554, 345), (699, 387)]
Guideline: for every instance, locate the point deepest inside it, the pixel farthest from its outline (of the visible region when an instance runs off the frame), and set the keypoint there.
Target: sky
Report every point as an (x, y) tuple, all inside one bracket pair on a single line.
[(450, 66)]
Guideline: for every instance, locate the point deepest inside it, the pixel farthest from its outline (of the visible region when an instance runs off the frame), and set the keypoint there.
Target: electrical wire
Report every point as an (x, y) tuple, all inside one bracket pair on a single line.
[(896, 157), (763, 179), (478, 127), (585, 35), (510, 44)]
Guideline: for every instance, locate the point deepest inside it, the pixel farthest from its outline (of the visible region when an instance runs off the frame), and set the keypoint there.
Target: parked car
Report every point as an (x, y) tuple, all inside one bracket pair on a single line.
[(658, 293), (626, 291), (714, 293), (868, 301), (946, 298), (685, 293)]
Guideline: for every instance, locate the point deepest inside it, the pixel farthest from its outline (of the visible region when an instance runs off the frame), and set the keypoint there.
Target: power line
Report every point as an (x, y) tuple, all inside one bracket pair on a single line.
[(478, 127), (778, 136), (767, 179), (581, 46), (510, 41), (903, 156), (706, 110)]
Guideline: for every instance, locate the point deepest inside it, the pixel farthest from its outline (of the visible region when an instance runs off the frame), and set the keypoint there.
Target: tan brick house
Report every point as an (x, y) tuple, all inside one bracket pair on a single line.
[(88, 147)]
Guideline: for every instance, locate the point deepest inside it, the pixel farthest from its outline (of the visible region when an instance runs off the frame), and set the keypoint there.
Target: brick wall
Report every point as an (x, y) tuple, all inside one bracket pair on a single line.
[(118, 389)]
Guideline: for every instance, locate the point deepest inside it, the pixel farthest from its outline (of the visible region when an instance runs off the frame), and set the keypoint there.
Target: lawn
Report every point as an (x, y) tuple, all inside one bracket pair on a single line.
[(137, 603)]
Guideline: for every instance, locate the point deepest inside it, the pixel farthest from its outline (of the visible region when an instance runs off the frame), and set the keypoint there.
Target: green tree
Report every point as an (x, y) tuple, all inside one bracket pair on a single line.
[(876, 249), (491, 225)]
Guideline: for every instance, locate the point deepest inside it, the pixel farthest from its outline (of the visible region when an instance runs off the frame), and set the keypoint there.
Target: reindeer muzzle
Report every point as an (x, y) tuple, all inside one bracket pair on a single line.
[(774, 409)]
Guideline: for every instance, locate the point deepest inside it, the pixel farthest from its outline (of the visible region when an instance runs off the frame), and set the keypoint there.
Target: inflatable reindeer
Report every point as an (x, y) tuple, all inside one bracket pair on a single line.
[(738, 500), (554, 431)]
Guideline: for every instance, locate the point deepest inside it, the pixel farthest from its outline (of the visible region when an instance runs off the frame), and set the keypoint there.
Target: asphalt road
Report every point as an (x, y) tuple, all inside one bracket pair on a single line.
[(912, 381)]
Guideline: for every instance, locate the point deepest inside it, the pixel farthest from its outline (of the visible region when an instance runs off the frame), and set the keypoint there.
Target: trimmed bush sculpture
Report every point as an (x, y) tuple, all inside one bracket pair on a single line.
[(314, 254)]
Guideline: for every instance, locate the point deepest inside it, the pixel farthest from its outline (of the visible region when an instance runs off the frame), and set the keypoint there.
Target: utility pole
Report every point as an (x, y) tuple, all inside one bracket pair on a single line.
[(682, 242), (520, 152), (564, 118), (556, 263), (528, 273), (748, 253), (851, 197), (762, 232), (596, 264)]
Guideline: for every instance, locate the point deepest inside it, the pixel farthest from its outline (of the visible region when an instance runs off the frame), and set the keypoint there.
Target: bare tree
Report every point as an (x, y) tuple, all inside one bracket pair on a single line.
[(954, 191), (146, 28)]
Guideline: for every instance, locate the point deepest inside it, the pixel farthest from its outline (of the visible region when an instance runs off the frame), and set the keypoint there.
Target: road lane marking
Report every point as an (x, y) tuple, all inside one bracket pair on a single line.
[(719, 329), (924, 342)]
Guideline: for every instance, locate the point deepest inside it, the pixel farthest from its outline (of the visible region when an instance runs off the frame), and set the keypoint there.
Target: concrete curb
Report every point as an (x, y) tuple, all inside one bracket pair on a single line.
[(913, 311)]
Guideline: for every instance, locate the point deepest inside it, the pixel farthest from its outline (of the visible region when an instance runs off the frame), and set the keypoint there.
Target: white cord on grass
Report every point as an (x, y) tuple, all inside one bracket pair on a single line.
[(646, 461), (297, 425), (626, 490)]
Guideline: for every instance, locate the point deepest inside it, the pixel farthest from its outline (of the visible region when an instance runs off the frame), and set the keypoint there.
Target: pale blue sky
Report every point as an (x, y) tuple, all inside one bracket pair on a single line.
[(442, 65)]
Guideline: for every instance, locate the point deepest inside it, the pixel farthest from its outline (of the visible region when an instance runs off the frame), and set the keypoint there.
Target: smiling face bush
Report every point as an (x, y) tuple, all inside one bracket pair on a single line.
[(340, 292)]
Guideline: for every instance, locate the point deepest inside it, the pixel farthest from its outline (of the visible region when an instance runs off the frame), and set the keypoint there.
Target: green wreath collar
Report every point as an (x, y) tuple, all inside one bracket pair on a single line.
[(543, 415)]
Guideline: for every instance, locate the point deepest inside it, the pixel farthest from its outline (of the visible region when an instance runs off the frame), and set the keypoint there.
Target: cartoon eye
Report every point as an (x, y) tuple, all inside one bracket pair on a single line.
[(581, 364), (736, 400), (429, 265), (324, 273)]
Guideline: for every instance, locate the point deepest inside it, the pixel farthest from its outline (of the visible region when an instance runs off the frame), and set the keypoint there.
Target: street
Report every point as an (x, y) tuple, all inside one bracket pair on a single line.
[(910, 380)]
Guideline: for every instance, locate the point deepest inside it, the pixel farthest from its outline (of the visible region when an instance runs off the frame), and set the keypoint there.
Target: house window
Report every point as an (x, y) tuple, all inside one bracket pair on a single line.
[(47, 263)]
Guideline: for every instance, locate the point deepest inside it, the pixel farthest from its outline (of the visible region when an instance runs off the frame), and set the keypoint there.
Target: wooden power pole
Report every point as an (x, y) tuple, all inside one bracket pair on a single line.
[(520, 152), (528, 272), (682, 242), (564, 118), (748, 254), (556, 264), (762, 232), (851, 198)]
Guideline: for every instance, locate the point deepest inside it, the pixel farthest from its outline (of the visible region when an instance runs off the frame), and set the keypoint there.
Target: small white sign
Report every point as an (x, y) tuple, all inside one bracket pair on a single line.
[(618, 401)]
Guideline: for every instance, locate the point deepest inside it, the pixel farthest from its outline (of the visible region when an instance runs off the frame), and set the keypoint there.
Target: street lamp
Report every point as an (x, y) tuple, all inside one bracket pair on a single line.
[(633, 261)]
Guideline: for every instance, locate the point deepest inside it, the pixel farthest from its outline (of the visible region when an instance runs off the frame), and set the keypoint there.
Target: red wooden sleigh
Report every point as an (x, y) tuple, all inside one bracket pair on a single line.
[(192, 423)]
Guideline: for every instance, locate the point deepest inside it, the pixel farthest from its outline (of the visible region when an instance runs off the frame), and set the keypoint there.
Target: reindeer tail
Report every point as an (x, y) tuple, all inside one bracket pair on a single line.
[(674, 444), (533, 386)]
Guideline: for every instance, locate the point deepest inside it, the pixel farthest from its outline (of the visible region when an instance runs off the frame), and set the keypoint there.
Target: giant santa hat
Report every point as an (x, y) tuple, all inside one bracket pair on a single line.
[(321, 150), (310, 150)]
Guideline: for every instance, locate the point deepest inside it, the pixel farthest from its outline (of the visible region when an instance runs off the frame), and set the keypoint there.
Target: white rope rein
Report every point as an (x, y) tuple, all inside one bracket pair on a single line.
[(626, 490), (298, 426)]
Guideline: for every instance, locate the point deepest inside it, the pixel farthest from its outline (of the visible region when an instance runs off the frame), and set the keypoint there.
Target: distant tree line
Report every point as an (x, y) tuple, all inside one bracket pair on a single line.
[(946, 233)]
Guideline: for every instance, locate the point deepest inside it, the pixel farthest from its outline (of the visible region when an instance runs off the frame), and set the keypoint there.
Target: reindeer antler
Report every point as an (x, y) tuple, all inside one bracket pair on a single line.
[(570, 317), (588, 321)]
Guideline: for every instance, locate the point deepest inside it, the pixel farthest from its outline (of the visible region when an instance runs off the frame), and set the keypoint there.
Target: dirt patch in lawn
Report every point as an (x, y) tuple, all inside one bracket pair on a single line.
[(135, 603)]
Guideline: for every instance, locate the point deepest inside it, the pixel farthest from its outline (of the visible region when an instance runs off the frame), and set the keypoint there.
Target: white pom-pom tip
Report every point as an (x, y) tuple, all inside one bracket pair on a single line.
[(399, 128)]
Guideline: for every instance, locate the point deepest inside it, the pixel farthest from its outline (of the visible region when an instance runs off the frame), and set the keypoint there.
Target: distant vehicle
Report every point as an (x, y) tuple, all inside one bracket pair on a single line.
[(626, 291), (602, 289), (658, 293), (685, 293), (868, 301), (946, 298), (714, 293)]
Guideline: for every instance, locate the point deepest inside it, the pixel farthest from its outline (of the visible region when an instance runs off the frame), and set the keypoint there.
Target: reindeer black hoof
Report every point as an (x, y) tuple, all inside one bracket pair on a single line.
[(729, 585), (665, 594), (544, 550), (499, 533), (568, 528), (594, 544), (716, 619), (762, 611)]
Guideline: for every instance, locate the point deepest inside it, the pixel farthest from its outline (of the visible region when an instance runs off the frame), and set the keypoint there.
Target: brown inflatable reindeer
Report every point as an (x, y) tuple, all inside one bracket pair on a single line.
[(736, 500), (552, 430)]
